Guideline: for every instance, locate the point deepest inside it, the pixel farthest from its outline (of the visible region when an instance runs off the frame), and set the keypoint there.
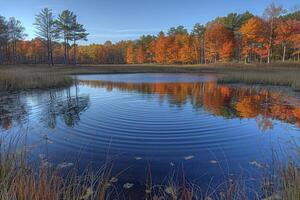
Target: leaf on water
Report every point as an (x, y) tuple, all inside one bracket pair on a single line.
[(256, 164), (114, 180), (49, 141), (64, 165), (138, 158), (188, 157), (213, 162), (128, 185), (172, 164)]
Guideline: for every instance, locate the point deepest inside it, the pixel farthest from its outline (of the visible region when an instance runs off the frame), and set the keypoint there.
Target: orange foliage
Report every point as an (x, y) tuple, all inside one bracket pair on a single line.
[(218, 38), (140, 55), (130, 55), (226, 53)]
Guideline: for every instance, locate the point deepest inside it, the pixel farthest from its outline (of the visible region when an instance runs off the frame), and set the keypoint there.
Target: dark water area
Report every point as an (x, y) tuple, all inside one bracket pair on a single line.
[(172, 123)]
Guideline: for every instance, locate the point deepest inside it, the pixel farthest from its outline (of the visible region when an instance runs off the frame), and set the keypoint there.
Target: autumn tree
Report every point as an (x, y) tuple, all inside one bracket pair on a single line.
[(160, 48), (254, 35), (199, 42), (140, 55), (130, 55), (285, 34), (216, 36)]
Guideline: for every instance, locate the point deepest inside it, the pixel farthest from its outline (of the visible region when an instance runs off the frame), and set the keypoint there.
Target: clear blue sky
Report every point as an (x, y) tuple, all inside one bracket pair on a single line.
[(128, 19)]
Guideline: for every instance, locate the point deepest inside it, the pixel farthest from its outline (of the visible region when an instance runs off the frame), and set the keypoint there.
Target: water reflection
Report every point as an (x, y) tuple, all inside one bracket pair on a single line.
[(69, 108), (14, 109), (262, 104)]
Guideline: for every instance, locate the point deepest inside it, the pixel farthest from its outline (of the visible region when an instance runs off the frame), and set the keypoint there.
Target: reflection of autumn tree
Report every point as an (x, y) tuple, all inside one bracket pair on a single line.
[(12, 109), (221, 100)]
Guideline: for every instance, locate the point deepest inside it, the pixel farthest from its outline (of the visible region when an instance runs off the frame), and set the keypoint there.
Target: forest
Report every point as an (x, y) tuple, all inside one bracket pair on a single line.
[(244, 38)]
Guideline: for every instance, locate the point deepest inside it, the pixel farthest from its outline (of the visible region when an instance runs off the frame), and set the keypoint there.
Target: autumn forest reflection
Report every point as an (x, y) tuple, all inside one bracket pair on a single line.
[(262, 104)]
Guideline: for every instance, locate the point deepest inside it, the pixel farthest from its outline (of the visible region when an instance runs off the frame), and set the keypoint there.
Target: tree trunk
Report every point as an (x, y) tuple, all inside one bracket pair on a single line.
[(48, 52), (65, 49), (51, 54), (74, 53), (284, 52)]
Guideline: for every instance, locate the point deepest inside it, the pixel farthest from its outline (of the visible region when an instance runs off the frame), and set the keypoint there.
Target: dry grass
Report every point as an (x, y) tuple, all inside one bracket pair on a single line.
[(42, 76), (22, 79), (20, 181)]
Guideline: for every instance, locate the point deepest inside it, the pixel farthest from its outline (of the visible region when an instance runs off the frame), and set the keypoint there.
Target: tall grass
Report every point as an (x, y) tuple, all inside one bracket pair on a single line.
[(20, 181), (40, 76), (25, 80), (283, 78)]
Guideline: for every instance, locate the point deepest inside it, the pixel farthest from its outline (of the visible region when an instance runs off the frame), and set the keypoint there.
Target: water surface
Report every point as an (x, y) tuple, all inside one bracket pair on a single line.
[(167, 121)]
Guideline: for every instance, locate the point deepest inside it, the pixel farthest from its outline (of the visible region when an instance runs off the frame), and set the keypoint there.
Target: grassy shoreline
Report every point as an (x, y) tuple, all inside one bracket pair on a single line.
[(23, 77), (20, 181)]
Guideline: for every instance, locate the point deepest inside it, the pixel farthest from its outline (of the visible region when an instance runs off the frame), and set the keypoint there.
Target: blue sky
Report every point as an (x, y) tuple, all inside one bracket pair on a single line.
[(128, 19)]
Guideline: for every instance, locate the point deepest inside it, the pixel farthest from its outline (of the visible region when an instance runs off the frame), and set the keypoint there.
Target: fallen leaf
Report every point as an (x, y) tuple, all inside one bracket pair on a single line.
[(213, 162), (128, 185), (64, 165), (188, 157)]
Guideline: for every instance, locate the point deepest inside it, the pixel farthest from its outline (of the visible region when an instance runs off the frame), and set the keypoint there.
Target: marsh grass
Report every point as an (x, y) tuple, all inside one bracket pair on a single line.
[(22, 79), (289, 78), (18, 77)]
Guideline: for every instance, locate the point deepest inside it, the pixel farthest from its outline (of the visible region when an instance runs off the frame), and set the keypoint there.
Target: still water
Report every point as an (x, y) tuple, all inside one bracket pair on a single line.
[(171, 122)]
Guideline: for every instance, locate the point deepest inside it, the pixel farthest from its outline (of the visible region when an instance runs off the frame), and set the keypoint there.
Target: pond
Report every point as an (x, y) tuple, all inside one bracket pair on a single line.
[(168, 122)]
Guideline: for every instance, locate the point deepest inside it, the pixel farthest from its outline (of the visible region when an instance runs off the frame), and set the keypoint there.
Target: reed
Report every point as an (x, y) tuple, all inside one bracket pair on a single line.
[(20, 181)]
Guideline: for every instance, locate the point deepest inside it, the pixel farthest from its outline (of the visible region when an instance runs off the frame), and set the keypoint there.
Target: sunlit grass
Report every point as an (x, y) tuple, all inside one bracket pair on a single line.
[(42, 76), (22, 79)]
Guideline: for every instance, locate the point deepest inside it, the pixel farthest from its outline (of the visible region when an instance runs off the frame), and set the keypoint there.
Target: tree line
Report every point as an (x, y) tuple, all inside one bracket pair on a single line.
[(55, 37), (274, 36)]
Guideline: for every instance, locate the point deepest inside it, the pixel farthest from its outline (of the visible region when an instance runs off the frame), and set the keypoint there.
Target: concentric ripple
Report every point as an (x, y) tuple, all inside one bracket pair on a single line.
[(160, 118)]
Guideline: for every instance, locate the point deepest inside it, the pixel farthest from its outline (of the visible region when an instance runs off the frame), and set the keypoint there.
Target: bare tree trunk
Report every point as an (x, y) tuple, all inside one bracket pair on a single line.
[(284, 52), (48, 52), (74, 53), (51, 53), (65, 49)]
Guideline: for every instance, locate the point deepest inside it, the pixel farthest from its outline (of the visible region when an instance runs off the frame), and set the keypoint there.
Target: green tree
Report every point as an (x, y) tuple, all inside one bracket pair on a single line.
[(66, 22), (199, 33), (47, 31), (177, 30), (78, 32)]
